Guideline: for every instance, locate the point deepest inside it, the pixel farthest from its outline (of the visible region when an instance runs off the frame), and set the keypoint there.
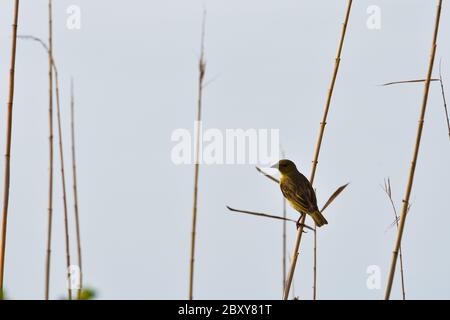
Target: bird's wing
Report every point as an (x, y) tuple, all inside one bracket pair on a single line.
[(300, 191), (291, 193)]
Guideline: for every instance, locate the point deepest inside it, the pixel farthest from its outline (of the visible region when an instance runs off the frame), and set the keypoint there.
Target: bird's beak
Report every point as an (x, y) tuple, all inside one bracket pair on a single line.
[(275, 166)]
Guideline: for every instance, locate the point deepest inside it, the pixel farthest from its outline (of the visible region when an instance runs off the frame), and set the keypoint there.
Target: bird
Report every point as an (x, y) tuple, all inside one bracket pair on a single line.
[(298, 191)]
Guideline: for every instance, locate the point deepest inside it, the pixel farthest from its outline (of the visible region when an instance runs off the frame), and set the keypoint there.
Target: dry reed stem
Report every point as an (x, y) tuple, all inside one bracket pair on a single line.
[(50, 158), (317, 149), (414, 156), (202, 67), (75, 188), (443, 98), (265, 215), (406, 81), (63, 181), (388, 190), (7, 168)]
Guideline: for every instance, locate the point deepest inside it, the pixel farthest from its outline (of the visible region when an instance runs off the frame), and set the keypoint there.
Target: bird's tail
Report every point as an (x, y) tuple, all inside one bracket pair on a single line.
[(319, 219)]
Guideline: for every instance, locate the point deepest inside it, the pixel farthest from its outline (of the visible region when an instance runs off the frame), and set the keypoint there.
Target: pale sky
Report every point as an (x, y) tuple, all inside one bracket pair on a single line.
[(135, 69)]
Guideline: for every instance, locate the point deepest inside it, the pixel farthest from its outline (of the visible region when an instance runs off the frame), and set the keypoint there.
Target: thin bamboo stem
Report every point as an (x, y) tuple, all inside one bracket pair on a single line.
[(317, 149), (50, 151), (315, 263), (7, 168), (388, 190), (284, 242), (415, 155), (201, 77), (402, 274), (75, 189), (63, 183)]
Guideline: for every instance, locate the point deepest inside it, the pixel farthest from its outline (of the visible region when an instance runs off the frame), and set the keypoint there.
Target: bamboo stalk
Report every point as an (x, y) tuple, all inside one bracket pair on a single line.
[(7, 171), (317, 149), (388, 190), (201, 77), (50, 150), (414, 156), (75, 189)]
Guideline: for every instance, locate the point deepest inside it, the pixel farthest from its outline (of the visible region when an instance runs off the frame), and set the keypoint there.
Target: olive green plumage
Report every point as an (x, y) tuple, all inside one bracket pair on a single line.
[(298, 191)]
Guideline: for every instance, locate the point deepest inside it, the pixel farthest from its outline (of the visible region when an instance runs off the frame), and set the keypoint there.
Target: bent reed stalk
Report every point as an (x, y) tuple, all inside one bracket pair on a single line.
[(61, 157)]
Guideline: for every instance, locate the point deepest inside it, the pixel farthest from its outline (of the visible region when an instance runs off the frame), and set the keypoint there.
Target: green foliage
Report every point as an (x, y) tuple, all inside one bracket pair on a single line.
[(87, 294)]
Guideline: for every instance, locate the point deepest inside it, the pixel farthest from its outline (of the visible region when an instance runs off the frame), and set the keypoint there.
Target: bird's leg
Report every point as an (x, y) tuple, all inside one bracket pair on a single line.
[(298, 224)]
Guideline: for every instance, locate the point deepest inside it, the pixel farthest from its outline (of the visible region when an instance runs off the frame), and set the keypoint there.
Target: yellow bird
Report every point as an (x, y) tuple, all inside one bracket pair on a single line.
[(298, 191)]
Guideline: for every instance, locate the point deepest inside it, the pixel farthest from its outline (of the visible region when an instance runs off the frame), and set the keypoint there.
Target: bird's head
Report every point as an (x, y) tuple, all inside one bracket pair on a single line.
[(285, 166)]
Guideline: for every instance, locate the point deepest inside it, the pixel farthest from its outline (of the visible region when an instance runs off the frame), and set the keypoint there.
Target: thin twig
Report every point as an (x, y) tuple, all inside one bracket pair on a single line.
[(415, 155), (7, 168)]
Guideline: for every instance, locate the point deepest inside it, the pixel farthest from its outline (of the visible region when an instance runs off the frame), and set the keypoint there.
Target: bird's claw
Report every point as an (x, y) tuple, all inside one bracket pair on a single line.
[(298, 224)]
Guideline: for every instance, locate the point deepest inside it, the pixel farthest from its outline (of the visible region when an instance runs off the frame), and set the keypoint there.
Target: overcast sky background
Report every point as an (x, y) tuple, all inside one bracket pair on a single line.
[(135, 69)]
